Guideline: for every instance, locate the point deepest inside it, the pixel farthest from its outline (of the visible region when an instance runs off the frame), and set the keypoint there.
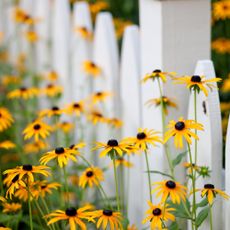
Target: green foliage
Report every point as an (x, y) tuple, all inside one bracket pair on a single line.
[(203, 214), (179, 158)]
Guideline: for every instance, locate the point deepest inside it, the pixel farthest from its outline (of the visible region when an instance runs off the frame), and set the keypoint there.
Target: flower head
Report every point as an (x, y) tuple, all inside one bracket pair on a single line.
[(65, 126), (6, 119), (84, 33), (44, 188), (221, 10), (54, 111), (76, 108), (96, 116), (23, 93), (182, 129), (52, 90), (7, 145), (10, 207), (35, 147), (100, 96), (31, 36), (158, 74), (91, 68)]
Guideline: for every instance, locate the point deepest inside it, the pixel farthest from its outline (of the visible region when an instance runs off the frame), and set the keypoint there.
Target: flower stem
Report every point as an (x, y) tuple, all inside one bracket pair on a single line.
[(149, 176), (66, 185), (116, 183), (29, 205), (210, 215), (195, 117)]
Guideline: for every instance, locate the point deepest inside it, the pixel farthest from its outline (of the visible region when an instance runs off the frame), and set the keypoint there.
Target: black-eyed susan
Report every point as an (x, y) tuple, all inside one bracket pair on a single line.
[(198, 83), (19, 15), (115, 122), (6, 119), (7, 145), (37, 129), (23, 194), (91, 68), (75, 217), (221, 10), (210, 192), (98, 6), (191, 167), (109, 218), (100, 96), (182, 129), (11, 207), (172, 189), (132, 227), (65, 126), (53, 111), (144, 138), (11, 80), (84, 32), (26, 172), (76, 108), (112, 148), (35, 147), (52, 90), (221, 45), (122, 162), (158, 74), (62, 155), (120, 25), (95, 116), (23, 93), (3, 227), (77, 146), (52, 76), (158, 215), (13, 185), (90, 177), (167, 102), (31, 36)]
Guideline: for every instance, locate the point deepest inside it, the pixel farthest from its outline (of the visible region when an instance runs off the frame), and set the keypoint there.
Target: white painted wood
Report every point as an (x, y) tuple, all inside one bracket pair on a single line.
[(131, 117), (210, 143), (81, 51), (61, 42), (227, 178)]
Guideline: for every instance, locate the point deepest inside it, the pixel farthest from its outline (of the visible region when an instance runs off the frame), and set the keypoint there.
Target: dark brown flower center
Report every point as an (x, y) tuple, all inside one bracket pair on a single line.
[(50, 86), (93, 64), (71, 212), (37, 126), (43, 186), (180, 125), (0, 115), (59, 150), (23, 89), (71, 146), (195, 78), (209, 186), (170, 184), (112, 143), (157, 71), (55, 108), (27, 167), (98, 114), (107, 212), (156, 212), (15, 179), (76, 105), (89, 174), (98, 93), (141, 136)]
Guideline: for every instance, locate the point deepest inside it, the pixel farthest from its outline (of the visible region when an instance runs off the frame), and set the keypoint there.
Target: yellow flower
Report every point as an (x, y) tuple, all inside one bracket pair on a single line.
[(144, 138), (132, 227), (65, 126), (221, 10), (182, 129), (52, 90), (10, 80), (19, 15), (52, 76), (96, 116), (20, 63), (167, 102), (221, 45), (226, 85), (6, 119), (191, 167), (114, 122), (35, 147), (98, 6), (76, 108), (197, 83), (11, 207), (7, 145), (91, 176), (210, 192), (9, 158), (158, 74), (225, 107), (37, 129), (122, 162), (91, 68), (172, 189), (77, 146), (62, 155), (31, 36), (84, 33), (26, 171), (3, 227), (45, 188), (23, 93), (28, 20), (100, 96), (23, 194), (54, 111), (75, 217), (111, 147), (120, 25), (158, 214)]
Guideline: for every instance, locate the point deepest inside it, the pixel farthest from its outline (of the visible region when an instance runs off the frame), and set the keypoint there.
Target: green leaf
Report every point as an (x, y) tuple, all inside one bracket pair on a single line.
[(203, 214), (179, 158), (161, 173), (202, 204), (173, 226)]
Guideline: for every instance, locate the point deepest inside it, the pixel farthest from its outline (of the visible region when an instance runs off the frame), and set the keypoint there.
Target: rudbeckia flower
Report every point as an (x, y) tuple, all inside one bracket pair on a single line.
[(221, 45), (26, 171), (44, 188), (91, 176), (191, 167), (98, 6), (96, 116), (7, 145), (3, 227), (111, 147), (37, 129), (84, 33), (122, 162), (11, 207), (114, 122), (23, 93), (221, 10), (197, 83), (158, 214), (75, 217), (144, 138), (11, 80), (108, 218), (62, 155), (77, 146), (158, 74), (65, 126), (6, 119), (210, 192), (76, 108), (52, 90), (52, 76), (182, 129), (23, 194), (100, 96), (54, 111), (35, 147), (31, 36), (91, 68), (19, 15), (172, 189)]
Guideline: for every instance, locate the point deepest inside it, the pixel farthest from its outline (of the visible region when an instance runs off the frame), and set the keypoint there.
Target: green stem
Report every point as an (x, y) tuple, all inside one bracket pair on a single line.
[(116, 184), (210, 215), (195, 117), (66, 186), (127, 186), (29, 205), (149, 176)]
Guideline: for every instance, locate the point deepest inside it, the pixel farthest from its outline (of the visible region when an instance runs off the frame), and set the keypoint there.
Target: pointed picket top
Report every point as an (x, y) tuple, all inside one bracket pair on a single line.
[(81, 50), (131, 116), (227, 177), (61, 41), (210, 140)]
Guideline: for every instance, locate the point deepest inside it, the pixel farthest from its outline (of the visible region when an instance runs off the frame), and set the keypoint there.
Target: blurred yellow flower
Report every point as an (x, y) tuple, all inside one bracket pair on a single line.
[(221, 45), (91, 68), (65, 126), (84, 33), (31, 36), (221, 10), (52, 90), (35, 147), (23, 93), (7, 145), (120, 25), (54, 111), (157, 73), (10, 80), (6, 119)]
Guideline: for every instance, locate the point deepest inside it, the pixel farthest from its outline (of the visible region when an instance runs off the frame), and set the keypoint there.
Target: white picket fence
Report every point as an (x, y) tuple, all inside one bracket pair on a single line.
[(173, 36)]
